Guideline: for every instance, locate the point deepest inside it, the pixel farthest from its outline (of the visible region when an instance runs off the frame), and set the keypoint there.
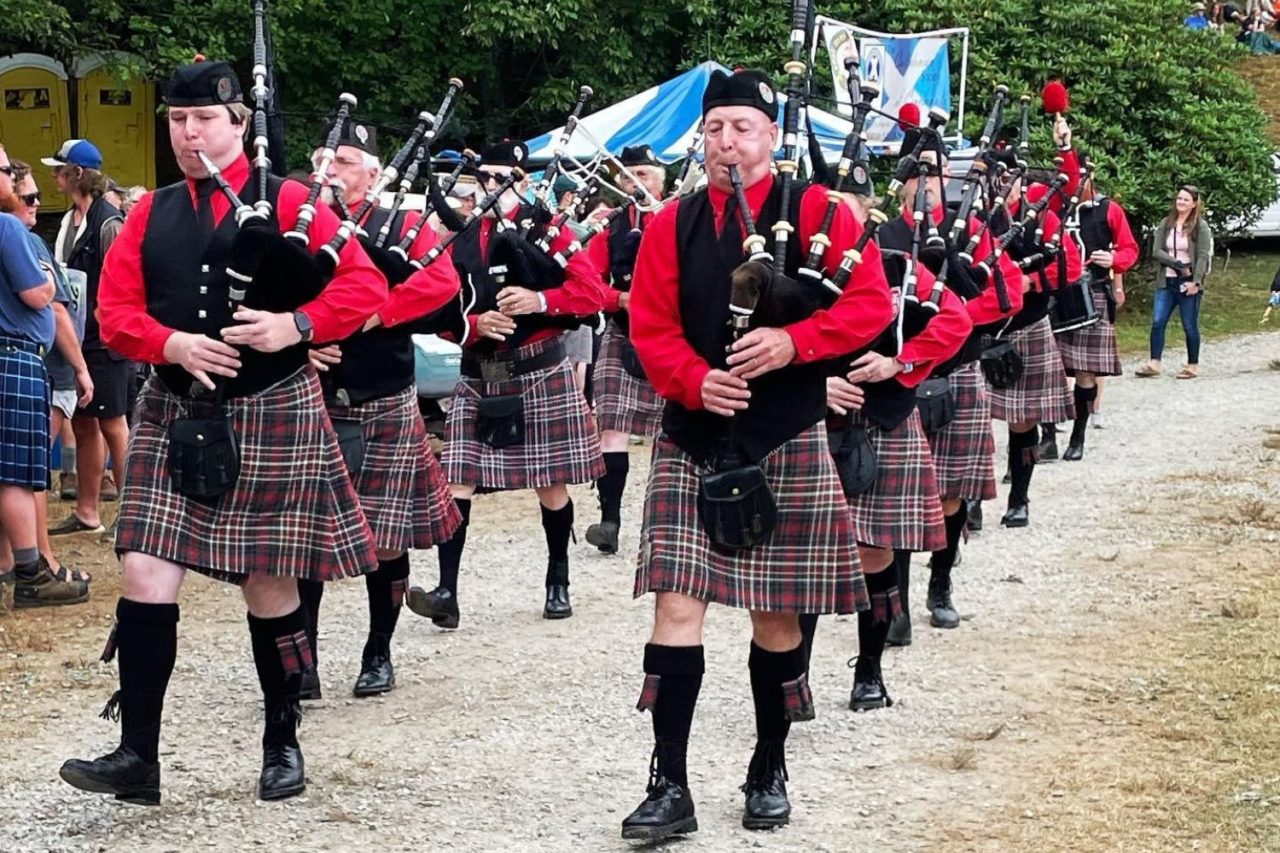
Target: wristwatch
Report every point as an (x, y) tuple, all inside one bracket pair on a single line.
[(303, 323), (907, 366), (542, 302)]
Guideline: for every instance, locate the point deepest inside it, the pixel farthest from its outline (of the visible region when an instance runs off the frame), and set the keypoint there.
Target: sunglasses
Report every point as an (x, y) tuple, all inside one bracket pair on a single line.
[(8, 170), (30, 199), (494, 177)]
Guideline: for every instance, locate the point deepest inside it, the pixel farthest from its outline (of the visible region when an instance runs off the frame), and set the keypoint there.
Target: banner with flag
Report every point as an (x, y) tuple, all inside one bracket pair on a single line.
[(906, 68)]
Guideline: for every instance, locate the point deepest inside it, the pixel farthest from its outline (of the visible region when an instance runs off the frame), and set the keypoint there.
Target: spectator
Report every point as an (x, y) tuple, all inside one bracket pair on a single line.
[(68, 375), (1183, 246), (26, 328), (131, 196), (1197, 20), (87, 232)]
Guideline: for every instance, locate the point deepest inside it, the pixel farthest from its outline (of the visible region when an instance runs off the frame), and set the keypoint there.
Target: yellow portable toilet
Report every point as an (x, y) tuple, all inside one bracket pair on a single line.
[(117, 115), (34, 115)]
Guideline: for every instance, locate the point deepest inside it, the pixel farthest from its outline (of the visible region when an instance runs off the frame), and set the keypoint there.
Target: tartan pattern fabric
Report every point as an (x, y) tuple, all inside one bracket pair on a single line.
[(560, 446), (798, 699), (402, 488), (963, 450), (1093, 348), (1041, 394), (885, 606), (24, 420), (649, 693), (623, 403), (400, 588), (902, 508), (292, 513), (810, 563), (109, 650), (295, 653)]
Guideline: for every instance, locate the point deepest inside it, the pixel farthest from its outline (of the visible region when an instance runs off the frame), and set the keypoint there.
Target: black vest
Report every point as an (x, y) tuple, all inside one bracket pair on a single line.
[(785, 402), (619, 228), (376, 218), (87, 256), (187, 289), (1095, 233)]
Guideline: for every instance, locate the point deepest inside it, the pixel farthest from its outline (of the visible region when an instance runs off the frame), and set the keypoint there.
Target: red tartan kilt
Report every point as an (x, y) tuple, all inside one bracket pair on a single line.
[(1041, 394), (401, 486), (1092, 349), (623, 402), (810, 563), (292, 512), (901, 509), (964, 449), (561, 445)]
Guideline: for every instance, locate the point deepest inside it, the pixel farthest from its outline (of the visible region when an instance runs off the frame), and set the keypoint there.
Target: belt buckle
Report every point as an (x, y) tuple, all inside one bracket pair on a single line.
[(495, 371)]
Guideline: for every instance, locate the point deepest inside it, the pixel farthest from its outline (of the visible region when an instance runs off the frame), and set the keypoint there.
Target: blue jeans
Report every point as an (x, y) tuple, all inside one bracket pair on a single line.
[(1188, 309)]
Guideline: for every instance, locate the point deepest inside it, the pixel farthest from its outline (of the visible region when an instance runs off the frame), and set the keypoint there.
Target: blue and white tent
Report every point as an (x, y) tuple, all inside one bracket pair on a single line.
[(665, 117)]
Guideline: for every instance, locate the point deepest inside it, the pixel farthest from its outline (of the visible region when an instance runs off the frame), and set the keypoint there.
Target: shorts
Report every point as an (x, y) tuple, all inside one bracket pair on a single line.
[(113, 385), (65, 402)]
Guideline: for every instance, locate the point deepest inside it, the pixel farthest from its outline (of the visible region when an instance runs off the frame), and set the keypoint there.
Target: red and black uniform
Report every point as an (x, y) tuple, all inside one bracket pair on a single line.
[(518, 420), (1102, 226)]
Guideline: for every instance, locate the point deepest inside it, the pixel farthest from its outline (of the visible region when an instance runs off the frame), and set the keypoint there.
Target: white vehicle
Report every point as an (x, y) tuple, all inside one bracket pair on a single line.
[(1268, 222)]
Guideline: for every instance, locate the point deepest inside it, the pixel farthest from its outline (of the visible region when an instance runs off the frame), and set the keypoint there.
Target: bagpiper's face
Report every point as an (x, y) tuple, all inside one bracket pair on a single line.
[(738, 136), (653, 178), (933, 183), (354, 171), (208, 130), (491, 177)]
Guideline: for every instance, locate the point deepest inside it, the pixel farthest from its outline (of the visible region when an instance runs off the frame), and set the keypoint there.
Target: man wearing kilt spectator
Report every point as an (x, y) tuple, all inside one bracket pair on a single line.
[(369, 390), (625, 402), (1109, 251), (1040, 395), (26, 332), (291, 512), (771, 387), (900, 511), (518, 420)]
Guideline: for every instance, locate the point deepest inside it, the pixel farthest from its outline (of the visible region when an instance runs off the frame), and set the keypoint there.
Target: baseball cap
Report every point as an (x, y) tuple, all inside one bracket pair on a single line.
[(76, 152)]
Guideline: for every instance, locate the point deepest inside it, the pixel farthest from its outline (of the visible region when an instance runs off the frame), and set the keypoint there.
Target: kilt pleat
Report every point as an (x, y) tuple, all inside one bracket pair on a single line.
[(561, 445), (901, 509), (810, 563), (1041, 394), (1092, 349), (292, 513), (401, 486), (24, 420), (963, 450), (623, 402)]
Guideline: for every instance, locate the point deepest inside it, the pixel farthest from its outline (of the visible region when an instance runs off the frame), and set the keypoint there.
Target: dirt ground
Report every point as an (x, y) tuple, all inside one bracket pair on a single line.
[(1115, 684)]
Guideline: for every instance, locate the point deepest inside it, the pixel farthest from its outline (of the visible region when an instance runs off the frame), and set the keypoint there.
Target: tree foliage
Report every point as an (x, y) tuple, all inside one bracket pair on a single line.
[(1155, 104)]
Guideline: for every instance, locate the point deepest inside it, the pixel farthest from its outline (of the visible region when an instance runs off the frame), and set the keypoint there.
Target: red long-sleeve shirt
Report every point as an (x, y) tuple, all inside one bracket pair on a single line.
[(677, 370), (1049, 223), (354, 293), (582, 294), (427, 289)]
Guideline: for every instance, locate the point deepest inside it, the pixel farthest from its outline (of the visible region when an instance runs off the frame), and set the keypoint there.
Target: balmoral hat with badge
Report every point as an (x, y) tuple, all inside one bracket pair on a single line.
[(746, 87), (203, 83)]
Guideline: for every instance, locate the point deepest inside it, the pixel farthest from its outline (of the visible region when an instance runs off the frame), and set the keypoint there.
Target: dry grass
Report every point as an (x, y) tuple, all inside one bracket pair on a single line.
[(1241, 609)]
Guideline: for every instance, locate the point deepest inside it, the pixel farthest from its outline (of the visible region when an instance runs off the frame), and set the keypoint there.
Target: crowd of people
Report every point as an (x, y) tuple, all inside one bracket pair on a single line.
[(819, 404)]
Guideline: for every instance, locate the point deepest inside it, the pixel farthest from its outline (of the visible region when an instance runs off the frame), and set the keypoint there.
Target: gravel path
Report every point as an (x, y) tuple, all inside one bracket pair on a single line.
[(513, 733)]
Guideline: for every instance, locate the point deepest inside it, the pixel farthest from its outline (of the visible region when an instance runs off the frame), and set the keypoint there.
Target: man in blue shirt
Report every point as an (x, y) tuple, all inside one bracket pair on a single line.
[(1197, 20), (26, 332)]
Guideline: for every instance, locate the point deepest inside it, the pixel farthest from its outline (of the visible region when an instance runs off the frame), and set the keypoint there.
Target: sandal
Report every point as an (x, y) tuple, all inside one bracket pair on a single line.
[(72, 524), (47, 590), (1188, 373), (1147, 371), (67, 575)]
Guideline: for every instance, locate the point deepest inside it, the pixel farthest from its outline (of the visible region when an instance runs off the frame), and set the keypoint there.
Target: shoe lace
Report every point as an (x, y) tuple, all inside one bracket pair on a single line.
[(286, 712), (111, 711), (768, 766), (655, 772)]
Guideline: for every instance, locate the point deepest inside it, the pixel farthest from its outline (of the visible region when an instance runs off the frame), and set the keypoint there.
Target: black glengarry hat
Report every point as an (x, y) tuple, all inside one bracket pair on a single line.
[(639, 155), (505, 153), (203, 84), (745, 88), (357, 135)]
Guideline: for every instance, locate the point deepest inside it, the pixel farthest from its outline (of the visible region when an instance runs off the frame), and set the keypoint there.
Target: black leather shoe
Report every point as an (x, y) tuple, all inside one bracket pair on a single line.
[(974, 520), (310, 691), (440, 606), (604, 536), (121, 773), (1018, 515), (377, 675), (666, 811), (766, 788), (942, 613), (899, 630), (283, 775), (868, 691), (557, 606), (1075, 452), (1047, 450)]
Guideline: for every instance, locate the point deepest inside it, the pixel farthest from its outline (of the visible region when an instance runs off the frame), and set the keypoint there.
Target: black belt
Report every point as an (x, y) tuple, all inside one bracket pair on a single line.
[(506, 366), (20, 345)]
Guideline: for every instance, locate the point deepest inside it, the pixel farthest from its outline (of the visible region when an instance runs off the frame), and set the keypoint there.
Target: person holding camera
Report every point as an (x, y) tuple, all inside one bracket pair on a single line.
[(1183, 246)]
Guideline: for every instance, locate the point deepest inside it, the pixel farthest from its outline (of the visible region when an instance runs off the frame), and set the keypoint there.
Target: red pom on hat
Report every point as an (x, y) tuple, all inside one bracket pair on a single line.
[(1055, 97), (908, 116)]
